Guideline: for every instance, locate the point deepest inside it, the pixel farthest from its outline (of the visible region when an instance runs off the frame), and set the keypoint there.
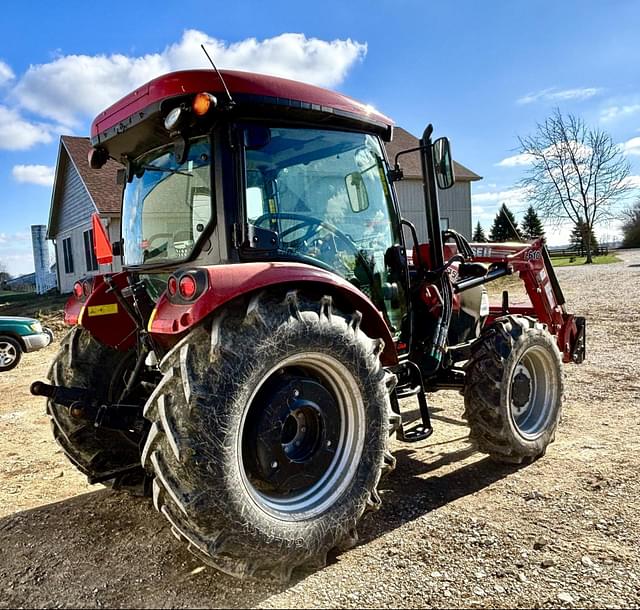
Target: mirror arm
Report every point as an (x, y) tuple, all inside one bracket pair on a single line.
[(396, 173)]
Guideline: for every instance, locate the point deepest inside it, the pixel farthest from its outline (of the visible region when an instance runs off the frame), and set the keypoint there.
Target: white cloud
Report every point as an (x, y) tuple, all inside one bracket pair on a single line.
[(6, 73), (612, 113), (514, 198), (14, 238), (555, 95), (72, 87), (16, 133), (632, 146), (520, 159), (34, 174), (632, 182)]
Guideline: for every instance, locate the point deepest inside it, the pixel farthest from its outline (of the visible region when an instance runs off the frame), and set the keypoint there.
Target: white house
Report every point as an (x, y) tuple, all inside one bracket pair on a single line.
[(79, 192)]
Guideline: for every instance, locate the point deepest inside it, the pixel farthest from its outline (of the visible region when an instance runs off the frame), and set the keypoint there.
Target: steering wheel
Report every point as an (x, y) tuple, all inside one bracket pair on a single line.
[(313, 225), (152, 253)]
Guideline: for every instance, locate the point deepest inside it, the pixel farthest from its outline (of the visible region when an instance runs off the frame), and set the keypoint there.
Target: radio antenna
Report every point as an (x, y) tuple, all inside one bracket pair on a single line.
[(226, 89)]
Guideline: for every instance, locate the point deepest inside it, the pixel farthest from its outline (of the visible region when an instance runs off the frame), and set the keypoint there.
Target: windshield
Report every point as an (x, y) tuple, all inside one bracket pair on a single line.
[(326, 195), (167, 205)]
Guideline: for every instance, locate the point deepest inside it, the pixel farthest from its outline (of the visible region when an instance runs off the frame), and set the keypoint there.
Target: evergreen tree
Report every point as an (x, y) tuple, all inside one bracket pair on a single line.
[(580, 235), (505, 226), (531, 225), (478, 234), (631, 226)]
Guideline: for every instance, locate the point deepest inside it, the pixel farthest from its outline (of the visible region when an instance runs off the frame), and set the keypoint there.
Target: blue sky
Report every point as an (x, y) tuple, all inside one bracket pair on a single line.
[(482, 73)]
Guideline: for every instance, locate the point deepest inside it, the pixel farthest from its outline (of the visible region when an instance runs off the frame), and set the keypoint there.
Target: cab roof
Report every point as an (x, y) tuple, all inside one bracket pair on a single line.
[(245, 88)]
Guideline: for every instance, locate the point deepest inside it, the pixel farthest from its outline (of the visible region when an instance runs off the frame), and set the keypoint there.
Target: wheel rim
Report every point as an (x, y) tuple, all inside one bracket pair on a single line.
[(533, 392), (302, 436), (8, 354)]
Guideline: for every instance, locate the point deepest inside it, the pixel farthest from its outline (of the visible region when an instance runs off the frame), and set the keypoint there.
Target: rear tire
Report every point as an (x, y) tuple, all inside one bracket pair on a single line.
[(269, 435), (514, 390), (83, 362)]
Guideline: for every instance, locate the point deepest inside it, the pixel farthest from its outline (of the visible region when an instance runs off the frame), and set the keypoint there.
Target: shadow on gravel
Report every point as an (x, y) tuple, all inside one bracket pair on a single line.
[(110, 549), (428, 493)]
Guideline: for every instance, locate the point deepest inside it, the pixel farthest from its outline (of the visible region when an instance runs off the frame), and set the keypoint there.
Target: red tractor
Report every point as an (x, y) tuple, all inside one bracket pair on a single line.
[(247, 365)]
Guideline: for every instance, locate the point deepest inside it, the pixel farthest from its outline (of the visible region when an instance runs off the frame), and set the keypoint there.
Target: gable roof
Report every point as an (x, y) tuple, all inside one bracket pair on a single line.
[(410, 163), (101, 185)]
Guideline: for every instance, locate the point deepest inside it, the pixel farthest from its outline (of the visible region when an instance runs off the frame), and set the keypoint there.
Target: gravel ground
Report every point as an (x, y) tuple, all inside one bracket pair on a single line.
[(454, 530)]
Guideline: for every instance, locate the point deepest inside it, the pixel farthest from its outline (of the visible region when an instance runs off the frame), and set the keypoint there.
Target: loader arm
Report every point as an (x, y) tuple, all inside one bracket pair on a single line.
[(533, 264)]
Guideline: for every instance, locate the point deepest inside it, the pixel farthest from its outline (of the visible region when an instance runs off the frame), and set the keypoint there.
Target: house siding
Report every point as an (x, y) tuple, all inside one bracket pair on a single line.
[(76, 205), (455, 204), (66, 280)]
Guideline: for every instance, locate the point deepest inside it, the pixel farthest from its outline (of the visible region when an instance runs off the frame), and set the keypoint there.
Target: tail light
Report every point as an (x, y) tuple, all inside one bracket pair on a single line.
[(87, 287), (172, 286), (186, 286), (78, 290)]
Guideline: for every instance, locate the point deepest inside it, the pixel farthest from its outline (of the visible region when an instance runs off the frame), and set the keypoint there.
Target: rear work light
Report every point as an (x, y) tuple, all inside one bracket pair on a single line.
[(78, 290), (86, 288)]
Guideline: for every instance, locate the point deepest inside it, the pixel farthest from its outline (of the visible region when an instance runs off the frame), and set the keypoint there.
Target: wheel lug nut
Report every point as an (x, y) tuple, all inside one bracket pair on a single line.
[(303, 429), (328, 443), (274, 464), (296, 393)]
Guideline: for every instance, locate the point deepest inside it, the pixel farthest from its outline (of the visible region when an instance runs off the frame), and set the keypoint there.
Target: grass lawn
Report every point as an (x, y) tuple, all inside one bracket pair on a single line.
[(565, 261)]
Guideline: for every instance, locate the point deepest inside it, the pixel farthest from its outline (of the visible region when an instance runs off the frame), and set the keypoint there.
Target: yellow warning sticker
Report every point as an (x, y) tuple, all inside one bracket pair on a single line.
[(102, 310)]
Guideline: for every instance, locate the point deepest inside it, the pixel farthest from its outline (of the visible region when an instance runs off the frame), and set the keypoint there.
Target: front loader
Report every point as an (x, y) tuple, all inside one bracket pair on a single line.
[(247, 367)]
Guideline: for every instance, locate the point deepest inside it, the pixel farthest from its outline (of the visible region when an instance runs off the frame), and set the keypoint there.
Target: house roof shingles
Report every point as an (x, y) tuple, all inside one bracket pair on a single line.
[(101, 184), (410, 163)]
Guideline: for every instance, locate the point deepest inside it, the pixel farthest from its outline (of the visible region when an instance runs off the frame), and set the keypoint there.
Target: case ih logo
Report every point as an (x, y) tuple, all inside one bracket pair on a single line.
[(482, 251)]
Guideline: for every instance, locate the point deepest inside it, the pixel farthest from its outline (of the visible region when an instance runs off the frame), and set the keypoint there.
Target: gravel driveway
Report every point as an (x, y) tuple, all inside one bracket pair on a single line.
[(454, 530)]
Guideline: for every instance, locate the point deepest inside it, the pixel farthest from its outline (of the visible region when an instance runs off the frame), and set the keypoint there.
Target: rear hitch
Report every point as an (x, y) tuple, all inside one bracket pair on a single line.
[(82, 404)]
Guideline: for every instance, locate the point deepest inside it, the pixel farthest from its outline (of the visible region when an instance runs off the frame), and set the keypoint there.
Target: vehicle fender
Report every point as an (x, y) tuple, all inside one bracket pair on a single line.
[(104, 318), (171, 320)]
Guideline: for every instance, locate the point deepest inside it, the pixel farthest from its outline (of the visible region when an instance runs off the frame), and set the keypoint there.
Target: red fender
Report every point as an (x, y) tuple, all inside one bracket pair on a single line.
[(104, 317), (169, 321)]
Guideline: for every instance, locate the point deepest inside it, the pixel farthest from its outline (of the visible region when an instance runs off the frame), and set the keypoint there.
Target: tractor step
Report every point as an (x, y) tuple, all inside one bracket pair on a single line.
[(416, 433), (414, 386)]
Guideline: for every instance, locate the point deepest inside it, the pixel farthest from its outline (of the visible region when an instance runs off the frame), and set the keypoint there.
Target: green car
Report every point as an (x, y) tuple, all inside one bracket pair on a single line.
[(19, 335)]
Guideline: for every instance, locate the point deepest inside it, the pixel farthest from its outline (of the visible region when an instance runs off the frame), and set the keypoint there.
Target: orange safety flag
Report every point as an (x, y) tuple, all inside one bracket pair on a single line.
[(101, 243)]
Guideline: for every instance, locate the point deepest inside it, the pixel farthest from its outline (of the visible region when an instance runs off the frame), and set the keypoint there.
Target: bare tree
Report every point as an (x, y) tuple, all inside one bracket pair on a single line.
[(576, 173)]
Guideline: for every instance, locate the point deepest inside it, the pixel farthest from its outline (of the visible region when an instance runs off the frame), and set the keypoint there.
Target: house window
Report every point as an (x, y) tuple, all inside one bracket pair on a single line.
[(89, 252), (444, 224), (68, 255)]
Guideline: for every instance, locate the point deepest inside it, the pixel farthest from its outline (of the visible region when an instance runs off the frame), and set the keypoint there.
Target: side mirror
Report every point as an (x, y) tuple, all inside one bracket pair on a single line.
[(357, 192), (443, 163), (256, 137)]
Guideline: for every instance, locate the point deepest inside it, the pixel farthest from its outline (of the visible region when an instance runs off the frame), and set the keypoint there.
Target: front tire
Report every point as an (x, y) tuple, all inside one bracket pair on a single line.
[(269, 435), (514, 390)]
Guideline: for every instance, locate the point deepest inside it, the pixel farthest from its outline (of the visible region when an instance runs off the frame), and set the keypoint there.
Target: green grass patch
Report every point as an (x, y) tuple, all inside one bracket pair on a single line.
[(570, 261)]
